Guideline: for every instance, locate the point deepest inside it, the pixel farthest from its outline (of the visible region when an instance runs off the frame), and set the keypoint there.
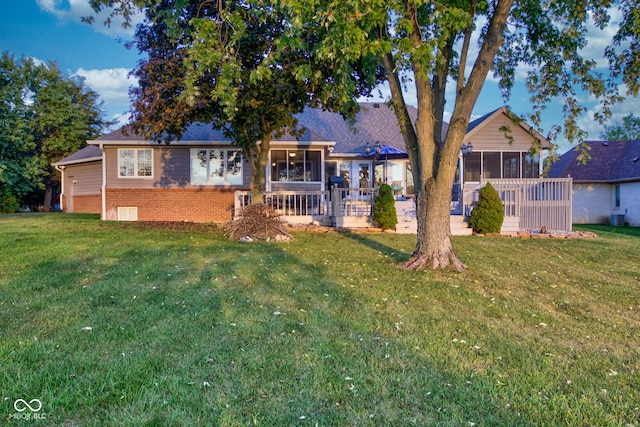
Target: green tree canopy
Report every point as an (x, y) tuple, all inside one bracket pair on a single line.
[(627, 130), (430, 44), (218, 63), (44, 116)]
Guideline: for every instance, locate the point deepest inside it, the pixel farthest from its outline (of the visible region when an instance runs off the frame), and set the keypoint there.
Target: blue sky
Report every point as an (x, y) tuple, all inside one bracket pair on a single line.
[(51, 30)]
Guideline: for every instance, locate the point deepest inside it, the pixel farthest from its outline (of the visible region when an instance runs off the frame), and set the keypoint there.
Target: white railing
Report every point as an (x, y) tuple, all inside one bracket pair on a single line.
[(290, 203), (335, 202), (538, 202), (353, 201)]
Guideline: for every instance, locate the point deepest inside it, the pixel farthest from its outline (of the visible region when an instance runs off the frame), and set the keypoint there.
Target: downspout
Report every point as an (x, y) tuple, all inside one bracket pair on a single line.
[(103, 215), (61, 170)]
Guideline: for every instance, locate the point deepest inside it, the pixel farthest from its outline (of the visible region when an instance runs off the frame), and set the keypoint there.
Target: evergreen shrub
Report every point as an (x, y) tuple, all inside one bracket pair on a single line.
[(487, 216), (384, 208)]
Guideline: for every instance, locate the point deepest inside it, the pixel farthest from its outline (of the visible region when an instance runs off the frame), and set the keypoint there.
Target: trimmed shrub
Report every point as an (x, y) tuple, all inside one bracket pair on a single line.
[(8, 202), (384, 208), (487, 216)]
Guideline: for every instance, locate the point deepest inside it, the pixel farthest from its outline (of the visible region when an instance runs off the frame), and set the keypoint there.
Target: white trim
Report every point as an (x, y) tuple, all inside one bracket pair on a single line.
[(103, 214), (142, 143), (75, 162), (136, 152)]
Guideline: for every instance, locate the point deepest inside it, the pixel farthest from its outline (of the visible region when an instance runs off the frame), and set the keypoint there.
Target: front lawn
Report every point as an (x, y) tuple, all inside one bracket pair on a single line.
[(109, 323)]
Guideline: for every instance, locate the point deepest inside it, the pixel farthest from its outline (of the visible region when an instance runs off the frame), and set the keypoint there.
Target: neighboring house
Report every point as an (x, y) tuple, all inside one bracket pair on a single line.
[(606, 189), (197, 178)]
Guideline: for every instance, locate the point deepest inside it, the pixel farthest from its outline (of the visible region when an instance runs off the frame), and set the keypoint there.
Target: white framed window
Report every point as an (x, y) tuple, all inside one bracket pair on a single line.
[(296, 165), (135, 162), (216, 166)]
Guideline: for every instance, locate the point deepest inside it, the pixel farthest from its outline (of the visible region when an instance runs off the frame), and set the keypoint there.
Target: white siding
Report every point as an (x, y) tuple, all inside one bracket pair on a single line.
[(630, 202), (592, 203)]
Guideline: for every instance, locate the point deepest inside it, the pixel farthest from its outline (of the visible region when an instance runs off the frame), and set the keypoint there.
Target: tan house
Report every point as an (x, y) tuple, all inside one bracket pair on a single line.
[(204, 178)]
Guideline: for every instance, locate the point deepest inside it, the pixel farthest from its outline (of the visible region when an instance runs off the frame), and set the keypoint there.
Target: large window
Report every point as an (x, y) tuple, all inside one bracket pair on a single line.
[(216, 167), (491, 165), (472, 165), (511, 164), (531, 167), (296, 165), (135, 162), (500, 165)]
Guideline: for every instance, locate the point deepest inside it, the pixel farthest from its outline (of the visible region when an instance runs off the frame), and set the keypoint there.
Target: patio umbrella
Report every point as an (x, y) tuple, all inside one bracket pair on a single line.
[(386, 152)]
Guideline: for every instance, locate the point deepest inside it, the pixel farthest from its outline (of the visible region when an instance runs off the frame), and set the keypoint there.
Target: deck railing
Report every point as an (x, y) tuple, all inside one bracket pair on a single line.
[(353, 201), (290, 203), (539, 202), (335, 202)]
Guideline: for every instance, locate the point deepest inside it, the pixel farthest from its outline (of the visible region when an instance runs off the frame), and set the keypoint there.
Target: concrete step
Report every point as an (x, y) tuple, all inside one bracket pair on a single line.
[(459, 227)]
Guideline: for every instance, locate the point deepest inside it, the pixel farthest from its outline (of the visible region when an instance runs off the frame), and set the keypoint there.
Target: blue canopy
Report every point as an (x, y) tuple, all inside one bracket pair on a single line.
[(388, 152)]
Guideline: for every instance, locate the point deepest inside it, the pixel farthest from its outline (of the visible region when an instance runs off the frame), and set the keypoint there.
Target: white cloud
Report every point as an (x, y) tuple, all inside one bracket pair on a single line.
[(113, 87), (112, 84), (75, 10)]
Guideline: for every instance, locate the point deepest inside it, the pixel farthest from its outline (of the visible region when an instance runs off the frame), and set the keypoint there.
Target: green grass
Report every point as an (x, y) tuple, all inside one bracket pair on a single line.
[(191, 329)]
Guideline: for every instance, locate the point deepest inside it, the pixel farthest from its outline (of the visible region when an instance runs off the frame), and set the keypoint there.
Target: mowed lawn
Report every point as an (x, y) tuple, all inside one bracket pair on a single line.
[(109, 323)]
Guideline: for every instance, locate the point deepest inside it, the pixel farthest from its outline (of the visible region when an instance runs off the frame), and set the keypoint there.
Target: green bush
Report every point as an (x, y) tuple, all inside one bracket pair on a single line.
[(384, 208), (8, 202), (487, 216)]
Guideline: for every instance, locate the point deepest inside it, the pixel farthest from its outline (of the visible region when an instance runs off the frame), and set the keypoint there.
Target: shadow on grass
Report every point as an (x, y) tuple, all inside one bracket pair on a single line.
[(257, 333), (600, 228), (376, 244)]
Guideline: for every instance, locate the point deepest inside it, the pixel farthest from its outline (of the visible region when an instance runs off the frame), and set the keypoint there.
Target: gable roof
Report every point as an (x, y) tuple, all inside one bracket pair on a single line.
[(195, 133), (479, 123), (610, 161), (90, 153), (375, 122)]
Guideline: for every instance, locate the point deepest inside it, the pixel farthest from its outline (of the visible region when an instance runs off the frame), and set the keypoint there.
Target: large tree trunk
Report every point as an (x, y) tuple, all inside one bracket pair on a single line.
[(434, 161), (259, 166), (48, 194), (433, 249)]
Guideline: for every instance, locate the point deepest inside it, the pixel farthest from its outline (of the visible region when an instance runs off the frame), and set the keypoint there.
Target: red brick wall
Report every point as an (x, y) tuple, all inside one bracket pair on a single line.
[(87, 204), (194, 205)]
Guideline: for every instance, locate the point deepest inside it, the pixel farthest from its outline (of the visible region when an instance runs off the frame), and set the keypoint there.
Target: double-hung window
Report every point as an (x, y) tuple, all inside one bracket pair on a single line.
[(216, 166), (135, 162)]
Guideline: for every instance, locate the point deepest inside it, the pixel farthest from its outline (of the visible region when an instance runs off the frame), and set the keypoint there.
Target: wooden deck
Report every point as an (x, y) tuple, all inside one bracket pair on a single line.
[(529, 204)]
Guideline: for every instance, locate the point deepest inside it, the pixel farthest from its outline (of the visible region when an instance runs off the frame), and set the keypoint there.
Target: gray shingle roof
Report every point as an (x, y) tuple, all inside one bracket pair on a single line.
[(90, 152), (610, 161), (197, 132), (376, 122)]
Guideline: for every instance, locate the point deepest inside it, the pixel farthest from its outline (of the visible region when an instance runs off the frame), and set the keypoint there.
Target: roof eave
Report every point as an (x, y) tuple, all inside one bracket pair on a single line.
[(78, 161)]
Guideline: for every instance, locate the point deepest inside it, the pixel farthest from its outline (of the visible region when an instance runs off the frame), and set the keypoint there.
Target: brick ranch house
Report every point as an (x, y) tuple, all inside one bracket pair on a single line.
[(199, 178)]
